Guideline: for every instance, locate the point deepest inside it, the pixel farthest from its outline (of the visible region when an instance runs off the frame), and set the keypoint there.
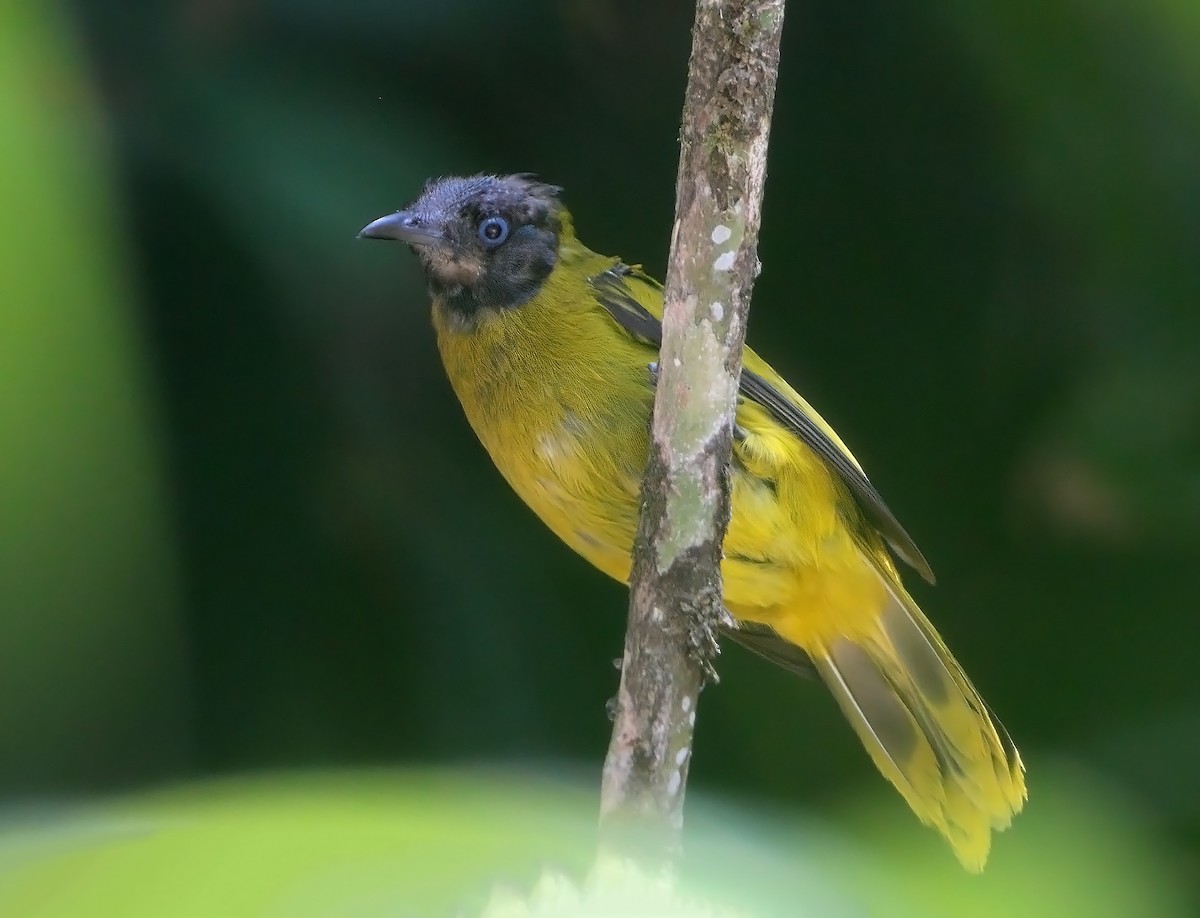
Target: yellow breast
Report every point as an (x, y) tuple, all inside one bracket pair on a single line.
[(565, 426), (561, 400)]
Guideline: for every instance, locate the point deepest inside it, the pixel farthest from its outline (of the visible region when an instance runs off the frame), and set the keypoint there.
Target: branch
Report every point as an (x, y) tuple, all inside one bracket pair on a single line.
[(676, 604)]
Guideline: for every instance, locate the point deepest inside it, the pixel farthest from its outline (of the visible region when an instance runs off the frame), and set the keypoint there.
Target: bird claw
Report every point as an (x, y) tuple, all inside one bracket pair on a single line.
[(704, 650), (703, 619)]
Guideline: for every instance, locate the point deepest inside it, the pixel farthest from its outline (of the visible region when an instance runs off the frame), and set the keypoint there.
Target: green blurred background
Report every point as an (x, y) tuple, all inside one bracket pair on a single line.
[(244, 526)]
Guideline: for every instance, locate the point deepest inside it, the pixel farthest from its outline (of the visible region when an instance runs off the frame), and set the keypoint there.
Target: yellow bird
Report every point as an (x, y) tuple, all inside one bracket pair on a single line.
[(548, 344)]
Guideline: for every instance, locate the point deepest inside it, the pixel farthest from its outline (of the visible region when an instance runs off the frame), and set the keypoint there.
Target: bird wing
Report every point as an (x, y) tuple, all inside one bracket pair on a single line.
[(766, 642), (617, 290)]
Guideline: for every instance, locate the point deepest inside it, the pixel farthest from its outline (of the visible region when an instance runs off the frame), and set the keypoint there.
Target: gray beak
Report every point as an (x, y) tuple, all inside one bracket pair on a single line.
[(403, 226)]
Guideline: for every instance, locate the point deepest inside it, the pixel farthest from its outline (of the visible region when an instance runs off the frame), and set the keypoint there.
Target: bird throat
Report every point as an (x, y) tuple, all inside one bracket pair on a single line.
[(468, 286)]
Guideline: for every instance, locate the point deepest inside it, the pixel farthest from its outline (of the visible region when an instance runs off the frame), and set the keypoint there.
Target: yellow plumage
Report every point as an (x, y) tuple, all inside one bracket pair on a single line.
[(551, 370)]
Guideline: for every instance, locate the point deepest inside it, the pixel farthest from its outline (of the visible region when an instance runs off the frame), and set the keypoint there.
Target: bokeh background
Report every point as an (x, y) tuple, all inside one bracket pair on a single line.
[(245, 529)]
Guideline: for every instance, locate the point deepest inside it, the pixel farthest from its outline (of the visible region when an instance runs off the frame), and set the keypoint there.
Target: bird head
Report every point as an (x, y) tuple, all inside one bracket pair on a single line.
[(484, 242)]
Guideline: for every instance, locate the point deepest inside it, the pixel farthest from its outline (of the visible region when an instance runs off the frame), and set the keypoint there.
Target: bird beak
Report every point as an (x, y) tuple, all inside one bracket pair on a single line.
[(403, 226)]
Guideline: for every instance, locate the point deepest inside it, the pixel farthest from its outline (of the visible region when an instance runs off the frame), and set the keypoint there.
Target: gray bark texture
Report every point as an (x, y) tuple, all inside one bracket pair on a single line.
[(676, 605)]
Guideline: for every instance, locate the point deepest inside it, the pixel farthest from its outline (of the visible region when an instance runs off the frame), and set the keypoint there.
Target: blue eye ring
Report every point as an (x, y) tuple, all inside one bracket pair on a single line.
[(493, 231)]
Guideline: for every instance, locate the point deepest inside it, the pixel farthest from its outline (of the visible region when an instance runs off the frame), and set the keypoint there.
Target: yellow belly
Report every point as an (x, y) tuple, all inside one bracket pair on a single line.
[(575, 453)]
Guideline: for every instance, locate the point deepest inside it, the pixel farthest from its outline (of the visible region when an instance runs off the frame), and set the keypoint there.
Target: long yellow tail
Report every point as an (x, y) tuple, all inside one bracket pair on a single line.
[(923, 723)]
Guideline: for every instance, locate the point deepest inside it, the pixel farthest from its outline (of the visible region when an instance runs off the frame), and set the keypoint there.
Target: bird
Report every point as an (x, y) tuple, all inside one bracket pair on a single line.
[(550, 347)]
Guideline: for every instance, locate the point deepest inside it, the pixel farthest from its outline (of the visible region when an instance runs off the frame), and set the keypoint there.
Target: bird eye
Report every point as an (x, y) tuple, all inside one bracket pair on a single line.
[(493, 231)]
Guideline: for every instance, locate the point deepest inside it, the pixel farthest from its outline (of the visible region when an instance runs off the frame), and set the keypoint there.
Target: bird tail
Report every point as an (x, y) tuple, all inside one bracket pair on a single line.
[(925, 726)]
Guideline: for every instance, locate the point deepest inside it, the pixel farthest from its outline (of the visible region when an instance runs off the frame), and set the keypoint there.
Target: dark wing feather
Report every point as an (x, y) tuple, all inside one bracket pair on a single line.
[(613, 294), (868, 499), (764, 641)]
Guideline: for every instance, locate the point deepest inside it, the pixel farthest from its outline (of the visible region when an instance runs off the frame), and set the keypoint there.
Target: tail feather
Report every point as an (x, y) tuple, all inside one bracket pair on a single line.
[(887, 728), (925, 726), (904, 623)]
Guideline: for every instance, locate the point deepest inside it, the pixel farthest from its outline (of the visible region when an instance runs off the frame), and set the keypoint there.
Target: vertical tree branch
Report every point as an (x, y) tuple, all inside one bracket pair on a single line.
[(676, 603)]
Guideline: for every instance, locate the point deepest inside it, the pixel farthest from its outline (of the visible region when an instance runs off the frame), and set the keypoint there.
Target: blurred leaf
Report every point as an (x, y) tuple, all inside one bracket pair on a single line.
[(89, 649), (418, 844), (431, 843)]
